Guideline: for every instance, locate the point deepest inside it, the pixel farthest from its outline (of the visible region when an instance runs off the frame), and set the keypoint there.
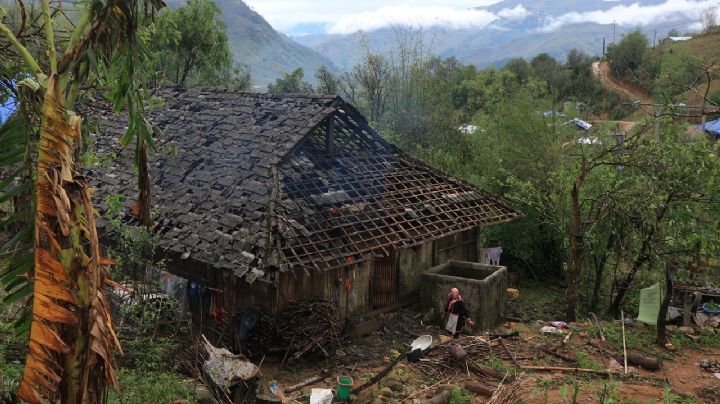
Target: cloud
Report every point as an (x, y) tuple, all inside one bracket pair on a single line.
[(285, 14), (635, 14), (426, 16)]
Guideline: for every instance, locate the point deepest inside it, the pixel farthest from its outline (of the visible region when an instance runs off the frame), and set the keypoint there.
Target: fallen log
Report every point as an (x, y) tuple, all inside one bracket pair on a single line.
[(479, 389), (378, 376), (556, 354), (512, 357), (488, 371), (645, 362), (306, 382), (559, 369)]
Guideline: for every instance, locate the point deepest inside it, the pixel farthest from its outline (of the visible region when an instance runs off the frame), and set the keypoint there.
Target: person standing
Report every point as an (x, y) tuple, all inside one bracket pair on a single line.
[(456, 312)]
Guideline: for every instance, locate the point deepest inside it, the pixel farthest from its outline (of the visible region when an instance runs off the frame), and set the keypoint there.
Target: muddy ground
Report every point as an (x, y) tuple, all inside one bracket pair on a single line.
[(680, 379)]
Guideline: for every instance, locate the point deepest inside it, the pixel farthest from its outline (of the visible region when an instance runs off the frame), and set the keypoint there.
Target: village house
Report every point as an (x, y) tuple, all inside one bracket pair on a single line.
[(265, 199)]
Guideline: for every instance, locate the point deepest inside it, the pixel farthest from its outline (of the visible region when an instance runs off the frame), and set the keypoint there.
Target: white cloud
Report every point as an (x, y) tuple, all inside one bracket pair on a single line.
[(285, 14), (635, 14), (426, 16)]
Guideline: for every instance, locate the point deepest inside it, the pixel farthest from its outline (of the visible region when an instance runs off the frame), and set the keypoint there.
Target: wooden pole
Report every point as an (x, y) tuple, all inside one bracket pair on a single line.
[(622, 323), (559, 369)]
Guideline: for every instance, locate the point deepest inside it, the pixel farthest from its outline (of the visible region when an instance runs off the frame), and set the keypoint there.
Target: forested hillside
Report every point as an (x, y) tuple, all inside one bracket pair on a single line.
[(255, 44)]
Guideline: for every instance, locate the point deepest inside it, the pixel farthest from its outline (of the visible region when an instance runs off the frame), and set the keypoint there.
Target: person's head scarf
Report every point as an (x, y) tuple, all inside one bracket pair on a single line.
[(454, 296)]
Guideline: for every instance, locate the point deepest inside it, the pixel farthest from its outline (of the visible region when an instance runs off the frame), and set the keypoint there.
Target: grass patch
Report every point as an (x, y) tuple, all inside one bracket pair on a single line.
[(461, 396), (150, 387), (586, 361)]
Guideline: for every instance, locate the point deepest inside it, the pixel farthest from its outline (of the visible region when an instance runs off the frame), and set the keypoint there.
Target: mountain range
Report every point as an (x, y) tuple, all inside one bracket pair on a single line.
[(267, 52), (507, 37)]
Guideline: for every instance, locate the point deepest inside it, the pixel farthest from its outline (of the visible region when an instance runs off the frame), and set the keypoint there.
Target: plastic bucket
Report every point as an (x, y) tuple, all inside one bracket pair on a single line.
[(414, 355), (344, 386)]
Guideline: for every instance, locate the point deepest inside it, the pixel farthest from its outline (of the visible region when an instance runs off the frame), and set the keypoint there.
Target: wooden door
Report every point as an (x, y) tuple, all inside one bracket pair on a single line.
[(384, 282)]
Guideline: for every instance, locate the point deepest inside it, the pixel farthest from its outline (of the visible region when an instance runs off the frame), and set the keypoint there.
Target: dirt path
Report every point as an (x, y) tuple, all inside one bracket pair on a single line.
[(625, 90)]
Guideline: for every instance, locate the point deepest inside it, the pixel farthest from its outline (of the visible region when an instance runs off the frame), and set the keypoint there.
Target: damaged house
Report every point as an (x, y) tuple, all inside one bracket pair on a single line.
[(267, 199)]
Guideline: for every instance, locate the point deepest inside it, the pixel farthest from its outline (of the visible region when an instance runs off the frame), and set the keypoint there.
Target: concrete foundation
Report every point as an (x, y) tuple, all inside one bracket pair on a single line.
[(483, 288)]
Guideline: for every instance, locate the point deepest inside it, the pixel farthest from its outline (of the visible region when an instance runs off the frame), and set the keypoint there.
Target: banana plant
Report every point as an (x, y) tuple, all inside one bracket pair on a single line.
[(53, 259)]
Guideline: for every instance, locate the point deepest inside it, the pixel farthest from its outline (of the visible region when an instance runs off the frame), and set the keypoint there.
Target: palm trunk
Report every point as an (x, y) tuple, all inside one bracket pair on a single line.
[(72, 342)]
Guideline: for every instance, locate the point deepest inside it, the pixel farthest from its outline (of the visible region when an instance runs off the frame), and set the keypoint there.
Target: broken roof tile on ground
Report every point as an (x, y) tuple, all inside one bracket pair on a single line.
[(248, 182)]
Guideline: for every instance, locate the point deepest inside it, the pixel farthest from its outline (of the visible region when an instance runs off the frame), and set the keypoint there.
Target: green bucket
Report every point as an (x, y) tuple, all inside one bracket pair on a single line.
[(344, 385)]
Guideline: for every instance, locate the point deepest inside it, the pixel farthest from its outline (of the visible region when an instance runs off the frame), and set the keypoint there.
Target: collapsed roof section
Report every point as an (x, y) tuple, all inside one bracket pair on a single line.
[(251, 182)]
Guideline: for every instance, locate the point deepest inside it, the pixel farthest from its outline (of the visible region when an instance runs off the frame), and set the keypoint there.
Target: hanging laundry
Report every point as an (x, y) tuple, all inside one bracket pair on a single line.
[(492, 255), (216, 311), (247, 323)]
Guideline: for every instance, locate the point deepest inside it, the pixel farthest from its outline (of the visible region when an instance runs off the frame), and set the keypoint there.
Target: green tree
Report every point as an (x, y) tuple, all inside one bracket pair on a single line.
[(628, 55), (71, 338), (328, 83), (520, 68), (291, 83), (190, 47)]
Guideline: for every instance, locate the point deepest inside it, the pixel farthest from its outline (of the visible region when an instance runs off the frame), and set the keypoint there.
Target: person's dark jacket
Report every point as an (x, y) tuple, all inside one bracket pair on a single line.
[(461, 310)]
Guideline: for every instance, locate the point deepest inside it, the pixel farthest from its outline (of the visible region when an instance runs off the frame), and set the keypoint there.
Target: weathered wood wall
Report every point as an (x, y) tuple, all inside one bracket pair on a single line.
[(412, 262)]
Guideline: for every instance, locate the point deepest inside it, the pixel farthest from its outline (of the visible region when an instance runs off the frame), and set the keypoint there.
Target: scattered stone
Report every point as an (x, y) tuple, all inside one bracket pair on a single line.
[(671, 328), (394, 385), (687, 330), (386, 391)]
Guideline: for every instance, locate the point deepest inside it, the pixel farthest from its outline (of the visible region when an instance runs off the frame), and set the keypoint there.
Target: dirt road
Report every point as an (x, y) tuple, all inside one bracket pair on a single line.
[(624, 89)]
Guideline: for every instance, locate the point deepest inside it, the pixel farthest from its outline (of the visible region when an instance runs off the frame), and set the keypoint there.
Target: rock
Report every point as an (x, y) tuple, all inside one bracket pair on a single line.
[(671, 328), (639, 326), (394, 385), (707, 331), (386, 391), (687, 330)]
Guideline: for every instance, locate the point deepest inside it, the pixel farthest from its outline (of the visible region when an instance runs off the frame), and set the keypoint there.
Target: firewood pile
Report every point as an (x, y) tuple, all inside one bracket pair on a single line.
[(305, 328), (440, 363), (309, 327)]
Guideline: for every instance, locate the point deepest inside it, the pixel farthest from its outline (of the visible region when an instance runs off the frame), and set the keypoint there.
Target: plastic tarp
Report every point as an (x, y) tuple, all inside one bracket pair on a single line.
[(711, 126), (650, 300)]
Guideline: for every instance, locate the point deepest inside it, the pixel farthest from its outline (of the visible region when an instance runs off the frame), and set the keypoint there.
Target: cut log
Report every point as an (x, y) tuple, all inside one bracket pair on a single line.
[(479, 389), (645, 362), (458, 353), (488, 371)]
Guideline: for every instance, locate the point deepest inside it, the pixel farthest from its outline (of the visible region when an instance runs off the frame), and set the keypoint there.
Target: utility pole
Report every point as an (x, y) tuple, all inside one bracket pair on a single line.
[(654, 37), (613, 31), (657, 123), (603, 52)]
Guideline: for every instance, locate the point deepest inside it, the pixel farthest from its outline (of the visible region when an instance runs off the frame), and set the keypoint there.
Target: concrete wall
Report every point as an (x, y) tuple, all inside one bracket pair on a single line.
[(484, 295), (412, 262)]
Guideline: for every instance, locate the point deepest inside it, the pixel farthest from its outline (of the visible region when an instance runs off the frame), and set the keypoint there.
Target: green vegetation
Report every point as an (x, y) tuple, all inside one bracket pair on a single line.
[(673, 72), (190, 47), (461, 396), (151, 387)]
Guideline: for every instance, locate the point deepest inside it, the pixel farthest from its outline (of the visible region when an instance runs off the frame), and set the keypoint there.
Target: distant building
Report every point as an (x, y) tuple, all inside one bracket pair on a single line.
[(468, 129), (679, 38), (583, 125)]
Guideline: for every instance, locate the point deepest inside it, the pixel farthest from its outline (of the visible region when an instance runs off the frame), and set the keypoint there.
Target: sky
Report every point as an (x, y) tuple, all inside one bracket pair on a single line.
[(297, 17)]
